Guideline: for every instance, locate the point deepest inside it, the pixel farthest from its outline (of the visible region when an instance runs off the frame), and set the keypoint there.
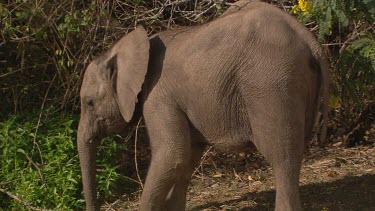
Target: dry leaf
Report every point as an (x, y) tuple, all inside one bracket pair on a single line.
[(219, 175)]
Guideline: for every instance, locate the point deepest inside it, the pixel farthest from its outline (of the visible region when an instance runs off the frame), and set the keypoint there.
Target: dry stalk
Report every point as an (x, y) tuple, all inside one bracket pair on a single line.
[(201, 163), (36, 166), (110, 206), (135, 152), (39, 120)]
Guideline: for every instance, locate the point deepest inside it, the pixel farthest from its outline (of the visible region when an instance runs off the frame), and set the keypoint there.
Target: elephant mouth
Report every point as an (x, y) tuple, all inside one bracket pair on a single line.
[(110, 123), (114, 126)]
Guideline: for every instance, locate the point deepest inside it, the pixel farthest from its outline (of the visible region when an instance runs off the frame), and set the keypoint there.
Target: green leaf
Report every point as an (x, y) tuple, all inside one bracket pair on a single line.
[(334, 101), (18, 14), (359, 43), (21, 151)]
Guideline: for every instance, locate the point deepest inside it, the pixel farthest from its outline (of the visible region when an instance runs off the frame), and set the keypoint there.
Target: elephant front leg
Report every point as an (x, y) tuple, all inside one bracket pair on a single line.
[(174, 155), (161, 177), (176, 198)]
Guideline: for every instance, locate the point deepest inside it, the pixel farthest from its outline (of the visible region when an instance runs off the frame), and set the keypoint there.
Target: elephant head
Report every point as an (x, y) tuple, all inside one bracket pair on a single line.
[(108, 99)]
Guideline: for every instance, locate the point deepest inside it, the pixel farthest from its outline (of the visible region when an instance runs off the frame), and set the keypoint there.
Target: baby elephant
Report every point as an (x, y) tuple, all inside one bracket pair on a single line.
[(252, 76)]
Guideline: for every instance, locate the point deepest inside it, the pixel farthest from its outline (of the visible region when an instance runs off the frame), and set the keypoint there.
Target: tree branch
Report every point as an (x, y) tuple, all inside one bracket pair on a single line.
[(22, 201)]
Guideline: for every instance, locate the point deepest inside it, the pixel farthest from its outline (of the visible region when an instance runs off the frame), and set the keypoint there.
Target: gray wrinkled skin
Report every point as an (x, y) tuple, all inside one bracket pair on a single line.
[(252, 76)]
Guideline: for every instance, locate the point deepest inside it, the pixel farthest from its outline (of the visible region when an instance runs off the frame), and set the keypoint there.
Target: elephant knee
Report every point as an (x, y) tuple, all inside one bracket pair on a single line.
[(181, 170)]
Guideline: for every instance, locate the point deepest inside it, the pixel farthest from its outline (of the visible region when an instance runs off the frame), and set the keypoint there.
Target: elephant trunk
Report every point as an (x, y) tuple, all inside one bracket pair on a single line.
[(87, 148)]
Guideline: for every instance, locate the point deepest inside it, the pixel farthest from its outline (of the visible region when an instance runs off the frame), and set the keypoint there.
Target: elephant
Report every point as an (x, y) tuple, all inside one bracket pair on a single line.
[(254, 76)]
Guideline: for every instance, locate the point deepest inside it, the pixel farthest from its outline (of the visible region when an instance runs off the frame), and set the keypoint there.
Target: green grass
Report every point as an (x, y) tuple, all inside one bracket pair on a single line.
[(40, 165)]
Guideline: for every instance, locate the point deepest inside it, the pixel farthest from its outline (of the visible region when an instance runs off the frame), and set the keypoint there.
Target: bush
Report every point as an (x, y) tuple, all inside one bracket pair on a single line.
[(346, 29), (349, 23), (40, 165), (46, 45)]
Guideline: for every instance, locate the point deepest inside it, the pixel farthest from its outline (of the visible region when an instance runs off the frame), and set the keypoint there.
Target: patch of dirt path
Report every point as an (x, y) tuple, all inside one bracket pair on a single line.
[(332, 179), (335, 178)]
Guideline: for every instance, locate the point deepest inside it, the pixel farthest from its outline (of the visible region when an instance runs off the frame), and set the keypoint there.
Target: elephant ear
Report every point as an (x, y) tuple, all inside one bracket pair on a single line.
[(132, 54)]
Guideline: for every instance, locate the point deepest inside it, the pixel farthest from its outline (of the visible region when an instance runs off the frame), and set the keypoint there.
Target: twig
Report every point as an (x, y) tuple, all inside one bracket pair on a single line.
[(8, 182), (353, 37), (135, 152), (133, 180), (203, 12), (39, 118), (26, 203), (111, 205), (347, 42), (9, 73), (236, 175), (202, 160), (144, 14), (35, 165), (332, 44)]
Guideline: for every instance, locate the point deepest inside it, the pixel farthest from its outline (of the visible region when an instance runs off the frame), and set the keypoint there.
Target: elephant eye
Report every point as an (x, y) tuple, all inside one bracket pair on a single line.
[(90, 103)]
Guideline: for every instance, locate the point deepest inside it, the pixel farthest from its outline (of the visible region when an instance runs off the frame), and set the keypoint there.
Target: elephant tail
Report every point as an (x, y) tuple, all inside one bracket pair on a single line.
[(324, 94)]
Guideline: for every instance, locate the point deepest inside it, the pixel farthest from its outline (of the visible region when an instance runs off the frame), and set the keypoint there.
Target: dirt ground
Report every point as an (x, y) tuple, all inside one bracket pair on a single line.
[(334, 178)]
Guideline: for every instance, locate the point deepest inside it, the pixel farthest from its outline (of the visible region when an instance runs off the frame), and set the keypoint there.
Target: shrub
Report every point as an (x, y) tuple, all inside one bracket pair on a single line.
[(346, 27), (40, 165), (46, 45)]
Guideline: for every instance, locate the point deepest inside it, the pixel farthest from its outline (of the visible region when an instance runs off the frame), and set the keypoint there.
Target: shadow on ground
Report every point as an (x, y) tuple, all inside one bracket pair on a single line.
[(349, 193)]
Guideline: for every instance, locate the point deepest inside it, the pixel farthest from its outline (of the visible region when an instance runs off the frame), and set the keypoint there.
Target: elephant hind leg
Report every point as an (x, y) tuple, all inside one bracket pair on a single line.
[(278, 133)]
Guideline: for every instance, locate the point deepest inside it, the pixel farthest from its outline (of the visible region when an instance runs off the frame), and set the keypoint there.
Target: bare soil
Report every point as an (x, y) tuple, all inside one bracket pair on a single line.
[(334, 178)]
